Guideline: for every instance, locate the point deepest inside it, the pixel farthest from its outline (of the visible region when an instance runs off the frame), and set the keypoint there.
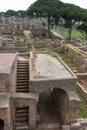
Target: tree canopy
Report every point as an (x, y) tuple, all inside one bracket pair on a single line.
[(71, 14), (83, 29), (46, 8)]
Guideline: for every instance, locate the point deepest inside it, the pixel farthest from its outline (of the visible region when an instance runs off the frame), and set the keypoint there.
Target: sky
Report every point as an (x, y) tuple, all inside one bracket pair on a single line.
[(24, 4)]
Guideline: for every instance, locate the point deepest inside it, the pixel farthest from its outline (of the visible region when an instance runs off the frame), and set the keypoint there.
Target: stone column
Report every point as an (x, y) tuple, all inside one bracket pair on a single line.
[(32, 115)]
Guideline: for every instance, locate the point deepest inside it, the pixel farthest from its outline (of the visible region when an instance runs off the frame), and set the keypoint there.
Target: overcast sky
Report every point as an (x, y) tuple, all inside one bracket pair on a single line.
[(24, 4)]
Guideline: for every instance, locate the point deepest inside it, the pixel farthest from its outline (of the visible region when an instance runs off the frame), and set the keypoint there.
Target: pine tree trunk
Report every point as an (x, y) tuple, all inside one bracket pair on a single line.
[(70, 32), (49, 34)]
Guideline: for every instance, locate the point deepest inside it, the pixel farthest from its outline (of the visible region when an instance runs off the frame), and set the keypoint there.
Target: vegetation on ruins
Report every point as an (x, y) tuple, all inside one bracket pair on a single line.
[(82, 113), (56, 13), (71, 14), (83, 29), (54, 10), (46, 8), (75, 33)]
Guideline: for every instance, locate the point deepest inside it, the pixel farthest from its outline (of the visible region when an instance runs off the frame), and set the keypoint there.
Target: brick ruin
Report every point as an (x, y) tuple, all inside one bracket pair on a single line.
[(37, 90), (17, 25), (34, 98)]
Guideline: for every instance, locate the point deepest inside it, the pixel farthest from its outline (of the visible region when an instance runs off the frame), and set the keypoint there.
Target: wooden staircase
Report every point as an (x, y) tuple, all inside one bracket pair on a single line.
[(23, 76), (22, 118)]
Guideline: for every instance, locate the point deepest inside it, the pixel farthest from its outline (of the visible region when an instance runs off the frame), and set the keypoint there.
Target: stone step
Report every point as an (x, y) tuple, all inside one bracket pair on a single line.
[(22, 110), (24, 62), (23, 91), (22, 118), (23, 87), (23, 77), (22, 68), (22, 127), (22, 80), (23, 72), (21, 124), (24, 114)]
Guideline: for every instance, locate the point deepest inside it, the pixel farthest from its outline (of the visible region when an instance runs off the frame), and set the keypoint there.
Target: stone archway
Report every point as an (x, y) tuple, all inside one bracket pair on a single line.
[(1, 124), (49, 109), (62, 101)]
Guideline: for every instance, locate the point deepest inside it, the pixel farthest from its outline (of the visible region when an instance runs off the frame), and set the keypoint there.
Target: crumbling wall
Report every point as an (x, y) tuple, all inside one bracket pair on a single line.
[(79, 56)]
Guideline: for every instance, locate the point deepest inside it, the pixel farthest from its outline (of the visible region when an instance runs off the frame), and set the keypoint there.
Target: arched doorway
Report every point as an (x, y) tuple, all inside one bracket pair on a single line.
[(1, 124), (49, 107)]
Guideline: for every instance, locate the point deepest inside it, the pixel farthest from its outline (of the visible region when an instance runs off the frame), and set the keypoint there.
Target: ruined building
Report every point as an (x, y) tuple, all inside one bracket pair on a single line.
[(36, 91)]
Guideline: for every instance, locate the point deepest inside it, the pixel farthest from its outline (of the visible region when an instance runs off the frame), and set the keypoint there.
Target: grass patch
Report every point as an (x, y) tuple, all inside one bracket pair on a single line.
[(65, 58), (68, 60), (75, 34), (5, 35), (40, 49), (82, 113), (20, 36), (30, 49)]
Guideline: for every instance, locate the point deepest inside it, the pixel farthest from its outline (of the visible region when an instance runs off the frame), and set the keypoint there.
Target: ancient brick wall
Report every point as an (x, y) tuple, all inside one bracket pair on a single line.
[(13, 77), (8, 80), (32, 104), (78, 56), (4, 115), (13, 49), (2, 84), (42, 85), (67, 105)]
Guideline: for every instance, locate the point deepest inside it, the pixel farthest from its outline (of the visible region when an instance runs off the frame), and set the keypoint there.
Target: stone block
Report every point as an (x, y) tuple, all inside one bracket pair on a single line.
[(65, 127)]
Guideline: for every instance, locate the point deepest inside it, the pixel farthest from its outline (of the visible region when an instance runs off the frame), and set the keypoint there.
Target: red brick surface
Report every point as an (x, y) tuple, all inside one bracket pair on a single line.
[(5, 59)]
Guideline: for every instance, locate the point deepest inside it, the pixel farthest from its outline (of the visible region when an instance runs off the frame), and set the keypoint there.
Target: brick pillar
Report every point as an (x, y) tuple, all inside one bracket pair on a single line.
[(8, 127), (32, 115)]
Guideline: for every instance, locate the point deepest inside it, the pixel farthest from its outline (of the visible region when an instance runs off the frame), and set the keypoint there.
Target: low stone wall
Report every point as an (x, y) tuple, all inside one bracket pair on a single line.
[(59, 49), (82, 75), (13, 49), (83, 48), (79, 124), (79, 56), (38, 42)]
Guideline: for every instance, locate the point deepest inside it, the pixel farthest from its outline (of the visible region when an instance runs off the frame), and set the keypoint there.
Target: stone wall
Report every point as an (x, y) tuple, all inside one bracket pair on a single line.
[(43, 85), (67, 104), (71, 101), (24, 101), (8, 80), (7, 25), (13, 77), (2, 83), (38, 42), (13, 49), (5, 116), (79, 56), (79, 124)]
